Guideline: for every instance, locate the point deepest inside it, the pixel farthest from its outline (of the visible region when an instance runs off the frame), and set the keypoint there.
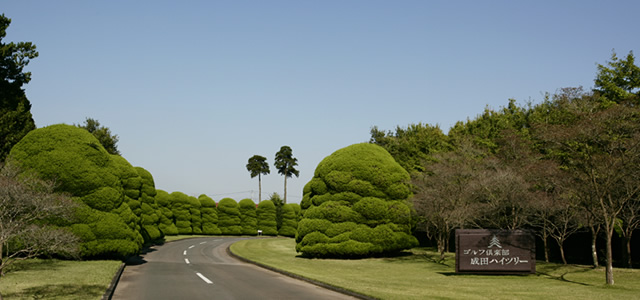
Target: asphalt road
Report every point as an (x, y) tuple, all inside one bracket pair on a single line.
[(200, 268)]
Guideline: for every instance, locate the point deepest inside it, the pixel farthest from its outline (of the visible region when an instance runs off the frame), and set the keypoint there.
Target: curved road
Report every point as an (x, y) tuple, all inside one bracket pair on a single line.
[(200, 268)]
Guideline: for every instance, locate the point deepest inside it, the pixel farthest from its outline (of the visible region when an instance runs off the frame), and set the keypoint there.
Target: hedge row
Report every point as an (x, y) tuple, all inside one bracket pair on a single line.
[(120, 206)]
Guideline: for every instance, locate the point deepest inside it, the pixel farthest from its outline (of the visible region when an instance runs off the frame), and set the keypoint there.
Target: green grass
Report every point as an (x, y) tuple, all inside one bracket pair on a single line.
[(57, 279), (417, 275)]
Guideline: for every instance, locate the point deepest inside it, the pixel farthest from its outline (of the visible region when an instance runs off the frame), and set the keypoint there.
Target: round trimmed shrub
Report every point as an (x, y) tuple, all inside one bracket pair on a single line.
[(267, 221), (356, 205), (289, 221), (229, 217), (166, 223), (180, 206), (209, 215), (248, 217)]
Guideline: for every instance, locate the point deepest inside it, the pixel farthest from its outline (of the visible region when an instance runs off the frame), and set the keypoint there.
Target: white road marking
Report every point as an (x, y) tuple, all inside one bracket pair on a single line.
[(217, 240), (191, 247), (204, 278), (185, 252), (203, 243), (187, 261)]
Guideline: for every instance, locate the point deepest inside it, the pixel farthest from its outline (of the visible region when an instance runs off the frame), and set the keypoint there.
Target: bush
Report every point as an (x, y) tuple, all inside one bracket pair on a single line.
[(229, 217), (180, 206), (289, 221), (196, 218), (209, 215), (266, 214), (166, 223), (248, 217), (357, 203)]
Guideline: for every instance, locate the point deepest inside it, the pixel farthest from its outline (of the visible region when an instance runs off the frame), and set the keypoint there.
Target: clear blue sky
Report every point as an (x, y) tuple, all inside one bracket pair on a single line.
[(195, 88)]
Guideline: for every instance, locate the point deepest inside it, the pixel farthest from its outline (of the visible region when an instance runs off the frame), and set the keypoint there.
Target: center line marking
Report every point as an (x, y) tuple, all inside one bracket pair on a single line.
[(204, 278), (187, 261), (185, 252), (203, 243), (191, 247)]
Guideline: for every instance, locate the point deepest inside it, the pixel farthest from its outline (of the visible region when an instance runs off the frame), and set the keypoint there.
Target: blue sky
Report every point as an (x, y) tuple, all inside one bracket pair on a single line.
[(195, 88)]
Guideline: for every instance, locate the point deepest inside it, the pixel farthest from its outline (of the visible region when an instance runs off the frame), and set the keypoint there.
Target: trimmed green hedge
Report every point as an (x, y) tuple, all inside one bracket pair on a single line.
[(356, 206), (248, 217), (266, 214), (167, 225), (289, 220), (209, 215), (229, 217), (180, 206)]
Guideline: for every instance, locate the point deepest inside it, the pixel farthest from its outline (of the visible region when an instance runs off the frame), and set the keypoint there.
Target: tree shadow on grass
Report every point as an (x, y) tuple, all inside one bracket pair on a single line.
[(33, 264), (69, 291), (548, 271)]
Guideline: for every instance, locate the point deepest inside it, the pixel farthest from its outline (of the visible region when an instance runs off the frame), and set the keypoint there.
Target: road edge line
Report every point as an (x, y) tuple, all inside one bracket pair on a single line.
[(296, 276), (108, 294)]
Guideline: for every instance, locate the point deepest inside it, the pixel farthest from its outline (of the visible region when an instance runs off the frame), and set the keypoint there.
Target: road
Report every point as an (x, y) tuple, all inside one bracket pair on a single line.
[(200, 268)]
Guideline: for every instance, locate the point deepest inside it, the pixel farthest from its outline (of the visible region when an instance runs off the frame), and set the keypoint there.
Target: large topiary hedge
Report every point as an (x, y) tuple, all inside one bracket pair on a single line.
[(356, 205), (209, 215), (229, 220), (106, 183), (149, 211), (248, 217), (266, 214)]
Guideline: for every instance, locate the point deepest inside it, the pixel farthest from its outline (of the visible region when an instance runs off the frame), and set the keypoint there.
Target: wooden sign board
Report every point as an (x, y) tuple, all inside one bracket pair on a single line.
[(486, 251)]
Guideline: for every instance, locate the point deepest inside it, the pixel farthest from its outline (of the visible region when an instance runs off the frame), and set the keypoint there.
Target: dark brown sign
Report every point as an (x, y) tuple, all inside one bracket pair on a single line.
[(485, 251)]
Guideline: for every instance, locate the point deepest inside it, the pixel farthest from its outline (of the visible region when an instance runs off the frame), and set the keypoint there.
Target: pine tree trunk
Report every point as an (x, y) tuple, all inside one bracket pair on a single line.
[(259, 189), (285, 188)]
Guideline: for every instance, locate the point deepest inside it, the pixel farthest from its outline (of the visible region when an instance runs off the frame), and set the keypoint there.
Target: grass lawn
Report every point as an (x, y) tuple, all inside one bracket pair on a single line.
[(58, 279), (418, 275)]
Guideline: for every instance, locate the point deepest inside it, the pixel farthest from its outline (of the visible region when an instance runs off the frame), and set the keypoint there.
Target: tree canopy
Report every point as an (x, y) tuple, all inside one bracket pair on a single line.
[(15, 109), (286, 165)]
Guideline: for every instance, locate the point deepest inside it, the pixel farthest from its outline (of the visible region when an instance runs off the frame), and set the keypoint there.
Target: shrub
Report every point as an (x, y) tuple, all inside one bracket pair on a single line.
[(357, 201), (196, 218), (289, 221), (180, 206), (166, 223), (266, 214), (229, 217), (209, 215), (248, 217)]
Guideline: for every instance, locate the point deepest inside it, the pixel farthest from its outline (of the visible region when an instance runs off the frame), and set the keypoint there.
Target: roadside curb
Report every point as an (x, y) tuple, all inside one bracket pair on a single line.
[(296, 276), (108, 294)]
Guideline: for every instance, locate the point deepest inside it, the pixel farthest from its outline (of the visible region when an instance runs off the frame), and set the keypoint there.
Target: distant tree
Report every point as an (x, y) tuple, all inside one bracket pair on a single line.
[(601, 151), (258, 166), (15, 109), (103, 134), (29, 210), (413, 146), (619, 79), (443, 200), (286, 163)]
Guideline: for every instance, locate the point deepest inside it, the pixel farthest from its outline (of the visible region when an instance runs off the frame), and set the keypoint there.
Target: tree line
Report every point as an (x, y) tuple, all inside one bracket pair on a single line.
[(566, 164)]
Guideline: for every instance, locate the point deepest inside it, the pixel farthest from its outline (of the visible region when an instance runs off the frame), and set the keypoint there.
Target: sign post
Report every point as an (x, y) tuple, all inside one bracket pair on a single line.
[(486, 251)]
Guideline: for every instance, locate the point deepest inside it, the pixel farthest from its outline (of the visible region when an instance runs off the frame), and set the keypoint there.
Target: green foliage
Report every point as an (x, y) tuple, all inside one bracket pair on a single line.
[(15, 109), (105, 235), (166, 223), (248, 217), (229, 217), (266, 214), (355, 205), (209, 215), (83, 169), (289, 220), (286, 165), (149, 210), (412, 146), (180, 206), (619, 80), (103, 134)]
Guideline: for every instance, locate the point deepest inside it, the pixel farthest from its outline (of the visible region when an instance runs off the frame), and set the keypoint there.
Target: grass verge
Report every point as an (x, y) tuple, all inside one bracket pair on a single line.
[(58, 279), (418, 275)]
